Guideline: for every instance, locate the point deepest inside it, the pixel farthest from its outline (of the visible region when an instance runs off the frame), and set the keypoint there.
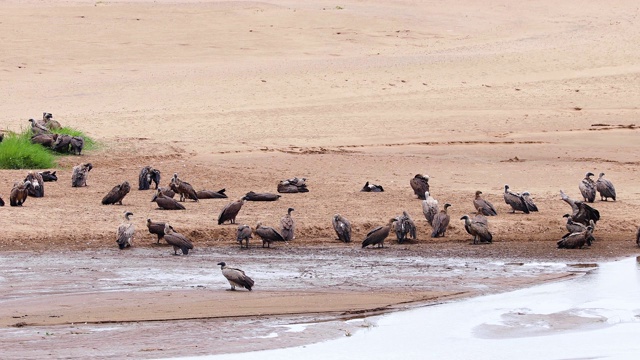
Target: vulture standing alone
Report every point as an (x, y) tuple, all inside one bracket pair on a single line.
[(268, 234), (80, 175), (515, 200), (441, 222), (377, 235), (588, 188), (342, 226), (483, 205), (177, 240), (19, 193), (420, 185), (124, 235), (287, 226), (244, 234), (479, 230), (236, 277), (116, 194), (166, 203), (429, 207), (156, 228), (230, 211), (605, 188)]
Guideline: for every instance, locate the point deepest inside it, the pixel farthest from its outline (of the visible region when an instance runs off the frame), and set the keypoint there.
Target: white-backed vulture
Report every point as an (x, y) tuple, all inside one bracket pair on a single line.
[(38, 128), (230, 211), (183, 188), (126, 230), (244, 234), (46, 140), (49, 122), (77, 144), (210, 194), (19, 193), (429, 207), (1, 202), (479, 231), (581, 212), (62, 143), (372, 188), (483, 205), (403, 226), (80, 174), (268, 234), (515, 200), (156, 228), (293, 185), (37, 184), (378, 235), (605, 188), (254, 196), (177, 240), (420, 185), (637, 236), (575, 227), (342, 227), (116, 194), (441, 222), (576, 240), (166, 203), (48, 176), (587, 188), (148, 175), (288, 226), (529, 201), (236, 277)]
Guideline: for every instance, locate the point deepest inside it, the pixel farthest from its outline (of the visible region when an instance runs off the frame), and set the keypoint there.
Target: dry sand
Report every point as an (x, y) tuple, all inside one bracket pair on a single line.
[(240, 95)]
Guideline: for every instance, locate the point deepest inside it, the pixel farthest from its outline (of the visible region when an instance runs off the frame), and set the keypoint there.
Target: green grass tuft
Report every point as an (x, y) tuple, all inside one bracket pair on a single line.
[(17, 152)]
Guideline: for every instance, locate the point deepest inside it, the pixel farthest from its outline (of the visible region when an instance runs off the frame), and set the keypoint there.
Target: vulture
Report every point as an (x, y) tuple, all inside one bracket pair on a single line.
[(148, 175), (637, 234), (403, 226), (515, 200), (429, 207), (377, 235), (371, 188), (19, 193), (183, 188), (420, 185), (288, 226), (177, 240), (156, 228), (166, 203), (166, 191), (574, 227), (582, 213), (342, 226), (116, 194), (62, 143), (37, 184), (77, 144), (293, 185), (124, 235), (605, 188), (588, 188), (80, 174), (253, 196), (441, 222), (236, 277), (38, 128), (529, 201), (480, 218), (268, 234), (244, 234), (210, 194), (230, 211), (479, 230), (576, 240), (483, 205), (46, 140), (1, 202), (49, 123), (48, 176)]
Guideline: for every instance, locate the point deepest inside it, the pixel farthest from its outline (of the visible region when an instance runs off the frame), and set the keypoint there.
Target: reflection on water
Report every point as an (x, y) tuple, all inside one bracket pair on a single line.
[(593, 316)]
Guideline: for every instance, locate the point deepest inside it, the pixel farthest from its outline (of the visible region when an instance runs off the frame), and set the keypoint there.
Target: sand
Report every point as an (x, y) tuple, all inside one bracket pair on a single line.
[(240, 95)]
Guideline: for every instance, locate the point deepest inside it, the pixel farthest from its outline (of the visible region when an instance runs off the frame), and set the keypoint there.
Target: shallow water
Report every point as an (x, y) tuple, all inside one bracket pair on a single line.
[(594, 316)]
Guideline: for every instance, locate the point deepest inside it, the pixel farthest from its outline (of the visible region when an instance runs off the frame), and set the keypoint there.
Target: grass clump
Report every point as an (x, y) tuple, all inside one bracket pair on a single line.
[(17, 152)]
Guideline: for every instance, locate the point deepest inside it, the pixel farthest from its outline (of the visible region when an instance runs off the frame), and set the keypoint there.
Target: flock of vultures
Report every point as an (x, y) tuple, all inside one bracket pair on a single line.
[(580, 222)]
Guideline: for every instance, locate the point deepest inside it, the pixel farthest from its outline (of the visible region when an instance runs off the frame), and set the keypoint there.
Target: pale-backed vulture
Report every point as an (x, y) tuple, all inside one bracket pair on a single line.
[(166, 191), (268, 234), (80, 174), (588, 188), (166, 203), (378, 235), (38, 128), (46, 140), (1, 202), (575, 227), (581, 212), (403, 226), (288, 226), (515, 200), (441, 222), (37, 184), (77, 144), (576, 240), (254, 196), (210, 194), (236, 277), (483, 205), (19, 193), (429, 207), (62, 143), (177, 240), (230, 211), (372, 188), (605, 188), (479, 231), (126, 230), (49, 122), (116, 194), (637, 236), (244, 234), (420, 185), (183, 188), (48, 176), (293, 185), (148, 175), (156, 228), (342, 226), (529, 201)]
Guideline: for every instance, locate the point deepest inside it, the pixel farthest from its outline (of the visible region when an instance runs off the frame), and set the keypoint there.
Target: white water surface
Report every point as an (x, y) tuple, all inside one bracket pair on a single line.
[(595, 316)]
